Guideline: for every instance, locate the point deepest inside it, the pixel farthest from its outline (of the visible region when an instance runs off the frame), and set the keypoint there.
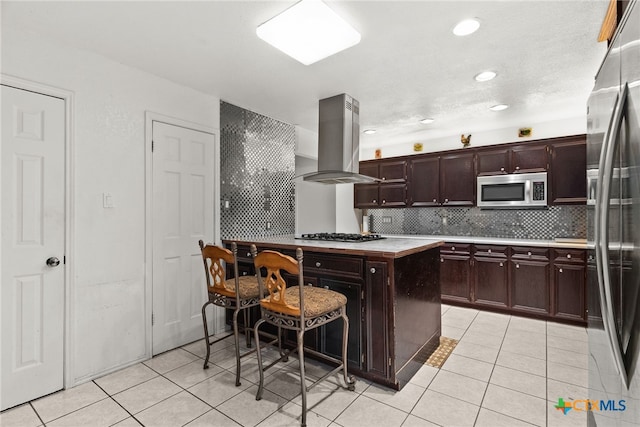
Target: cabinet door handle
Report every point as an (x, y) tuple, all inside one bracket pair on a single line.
[(517, 168), (384, 178), (441, 259), (318, 264), (249, 254), (373, 270), (501, 264), (326, 287), (529, 253), (501, 169), (244, 273), (517, 265), (446, 200), (569, 256), (560, 270), (384, 201), (453, 248), (374, 201), (488, 250), (309, 284)]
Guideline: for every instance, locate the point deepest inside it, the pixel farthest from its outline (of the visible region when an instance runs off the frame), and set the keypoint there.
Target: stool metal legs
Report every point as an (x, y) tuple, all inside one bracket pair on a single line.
[(349, 380)]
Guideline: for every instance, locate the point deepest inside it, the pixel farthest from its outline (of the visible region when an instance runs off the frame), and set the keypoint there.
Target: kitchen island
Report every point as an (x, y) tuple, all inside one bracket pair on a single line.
[(393, 300)]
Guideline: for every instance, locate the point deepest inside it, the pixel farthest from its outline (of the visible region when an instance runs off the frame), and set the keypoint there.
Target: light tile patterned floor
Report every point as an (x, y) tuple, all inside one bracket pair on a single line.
[(505, 371)]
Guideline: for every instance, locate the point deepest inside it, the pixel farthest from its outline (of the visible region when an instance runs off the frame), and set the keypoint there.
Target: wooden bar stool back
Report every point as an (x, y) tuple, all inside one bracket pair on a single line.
[(238, 294), (298, 308)]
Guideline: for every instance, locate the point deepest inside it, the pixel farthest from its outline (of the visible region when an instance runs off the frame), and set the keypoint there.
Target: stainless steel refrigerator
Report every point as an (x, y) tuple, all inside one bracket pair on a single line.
[(613, 231)]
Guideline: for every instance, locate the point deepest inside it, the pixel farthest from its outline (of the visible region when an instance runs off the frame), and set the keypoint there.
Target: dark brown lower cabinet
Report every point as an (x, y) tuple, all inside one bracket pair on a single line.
[(530, 286), (491, 282), (455, 277), (331, 334), (527, 281), (570, 294)]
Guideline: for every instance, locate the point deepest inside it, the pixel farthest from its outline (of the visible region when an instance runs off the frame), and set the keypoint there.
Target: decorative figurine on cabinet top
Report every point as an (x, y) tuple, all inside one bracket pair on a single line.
[(466, 140)]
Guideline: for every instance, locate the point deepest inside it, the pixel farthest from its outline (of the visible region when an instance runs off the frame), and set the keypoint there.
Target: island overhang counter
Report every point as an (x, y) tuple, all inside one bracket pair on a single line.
[(393, 299)]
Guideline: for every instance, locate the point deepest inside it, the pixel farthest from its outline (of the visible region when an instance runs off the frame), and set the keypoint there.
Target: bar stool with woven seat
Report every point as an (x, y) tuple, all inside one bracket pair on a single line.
[(298, 308), (238, 294)]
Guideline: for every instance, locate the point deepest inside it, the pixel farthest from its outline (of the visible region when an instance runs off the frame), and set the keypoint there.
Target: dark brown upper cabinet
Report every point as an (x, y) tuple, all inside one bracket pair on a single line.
[(457, 179), (390, 192), (424, 178), (520, 159), (388, 170), (568, 171), (446, 180)]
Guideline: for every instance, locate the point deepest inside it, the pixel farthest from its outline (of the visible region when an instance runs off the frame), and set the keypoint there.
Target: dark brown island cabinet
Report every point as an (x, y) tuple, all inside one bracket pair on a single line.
[(393, 300), (448, 178), (538, 282)]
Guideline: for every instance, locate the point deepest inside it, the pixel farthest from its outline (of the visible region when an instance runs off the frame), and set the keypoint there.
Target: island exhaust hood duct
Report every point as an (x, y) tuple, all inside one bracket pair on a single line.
[(338, 143)]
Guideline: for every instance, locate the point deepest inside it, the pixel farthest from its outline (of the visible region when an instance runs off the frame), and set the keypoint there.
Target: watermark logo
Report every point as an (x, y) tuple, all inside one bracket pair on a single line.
[(581, 405)]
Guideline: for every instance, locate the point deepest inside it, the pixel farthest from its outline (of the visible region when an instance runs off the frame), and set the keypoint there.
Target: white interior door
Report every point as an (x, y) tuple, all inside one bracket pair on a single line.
[(182, 215), (32, 221)]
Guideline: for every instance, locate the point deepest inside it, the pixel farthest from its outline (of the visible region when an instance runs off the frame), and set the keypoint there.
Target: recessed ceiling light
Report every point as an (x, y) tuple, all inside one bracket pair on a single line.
[(499, 107), (370, 131), (427, 121), (466, 27), (485, 76), (308, 31)]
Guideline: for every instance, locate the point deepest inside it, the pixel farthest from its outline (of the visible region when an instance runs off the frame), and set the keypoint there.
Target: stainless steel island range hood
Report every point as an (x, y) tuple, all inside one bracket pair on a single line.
[(338, 143)]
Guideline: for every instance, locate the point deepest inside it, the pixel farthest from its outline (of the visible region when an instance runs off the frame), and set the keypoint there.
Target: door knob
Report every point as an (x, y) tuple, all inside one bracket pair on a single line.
[(53, 262)]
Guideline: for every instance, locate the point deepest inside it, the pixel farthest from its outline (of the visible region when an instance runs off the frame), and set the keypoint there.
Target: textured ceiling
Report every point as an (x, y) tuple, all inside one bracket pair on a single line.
[(408, 65)]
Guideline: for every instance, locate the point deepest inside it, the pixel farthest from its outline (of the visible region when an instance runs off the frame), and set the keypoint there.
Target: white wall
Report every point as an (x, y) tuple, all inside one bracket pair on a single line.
[(108, 295), (552, 129), (315, 203)]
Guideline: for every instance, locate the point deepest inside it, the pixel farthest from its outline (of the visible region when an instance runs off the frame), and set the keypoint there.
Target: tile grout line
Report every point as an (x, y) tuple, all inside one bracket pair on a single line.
[(36, 412), (117, 403)]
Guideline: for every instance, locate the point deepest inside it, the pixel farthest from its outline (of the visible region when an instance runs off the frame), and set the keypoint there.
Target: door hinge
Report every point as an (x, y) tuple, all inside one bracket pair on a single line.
[(389, 362), (153, 145), (362, 295), (153, 319), (64, 259)]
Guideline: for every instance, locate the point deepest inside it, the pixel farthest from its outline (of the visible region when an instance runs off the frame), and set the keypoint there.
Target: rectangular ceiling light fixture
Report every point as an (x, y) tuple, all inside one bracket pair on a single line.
[(309, 31)]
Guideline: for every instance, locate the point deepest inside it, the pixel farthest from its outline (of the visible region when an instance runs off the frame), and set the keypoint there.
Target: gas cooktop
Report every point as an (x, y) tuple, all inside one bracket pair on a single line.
[(342, 237)]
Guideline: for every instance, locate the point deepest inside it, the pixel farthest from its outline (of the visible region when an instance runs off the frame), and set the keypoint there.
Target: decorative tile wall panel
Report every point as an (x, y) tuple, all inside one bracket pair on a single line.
[(257, 164), (539, 224)]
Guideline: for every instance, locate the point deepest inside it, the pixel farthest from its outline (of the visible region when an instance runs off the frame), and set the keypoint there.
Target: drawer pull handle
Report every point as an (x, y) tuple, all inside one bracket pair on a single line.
[(489, 250), (244, 273), (374, 201), (560, 270), (446, 200), (318, 264), (517, 265), (326, 287), (373, 270), (384, 178), (453, 248), (529, 253), (384, 201), (441, 259), (569, 256), (517, 168), (249, 254), (501, 169), (435, 201), (501, 264)]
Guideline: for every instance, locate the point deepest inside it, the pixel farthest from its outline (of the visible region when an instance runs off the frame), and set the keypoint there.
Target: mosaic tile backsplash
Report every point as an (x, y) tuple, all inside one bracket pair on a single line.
[(537, 224), (257, 165)]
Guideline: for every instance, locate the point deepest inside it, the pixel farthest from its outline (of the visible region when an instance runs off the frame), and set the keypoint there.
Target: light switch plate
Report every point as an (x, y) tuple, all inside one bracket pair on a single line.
[(107, 200)]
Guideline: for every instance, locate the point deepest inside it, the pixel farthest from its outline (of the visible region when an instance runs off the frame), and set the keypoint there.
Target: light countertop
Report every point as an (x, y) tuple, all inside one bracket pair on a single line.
[(390, 247), (558, 243)]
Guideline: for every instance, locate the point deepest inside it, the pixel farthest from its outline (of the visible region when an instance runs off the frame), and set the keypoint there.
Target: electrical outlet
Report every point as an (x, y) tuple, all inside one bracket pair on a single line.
[(386, 220)]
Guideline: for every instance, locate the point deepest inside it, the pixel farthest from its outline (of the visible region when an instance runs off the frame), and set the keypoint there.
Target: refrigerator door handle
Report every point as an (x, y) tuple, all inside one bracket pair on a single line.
[(602, 231)]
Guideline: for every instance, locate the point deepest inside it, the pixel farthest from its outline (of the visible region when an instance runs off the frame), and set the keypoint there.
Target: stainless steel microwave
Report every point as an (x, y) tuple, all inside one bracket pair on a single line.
[(520, 190)]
